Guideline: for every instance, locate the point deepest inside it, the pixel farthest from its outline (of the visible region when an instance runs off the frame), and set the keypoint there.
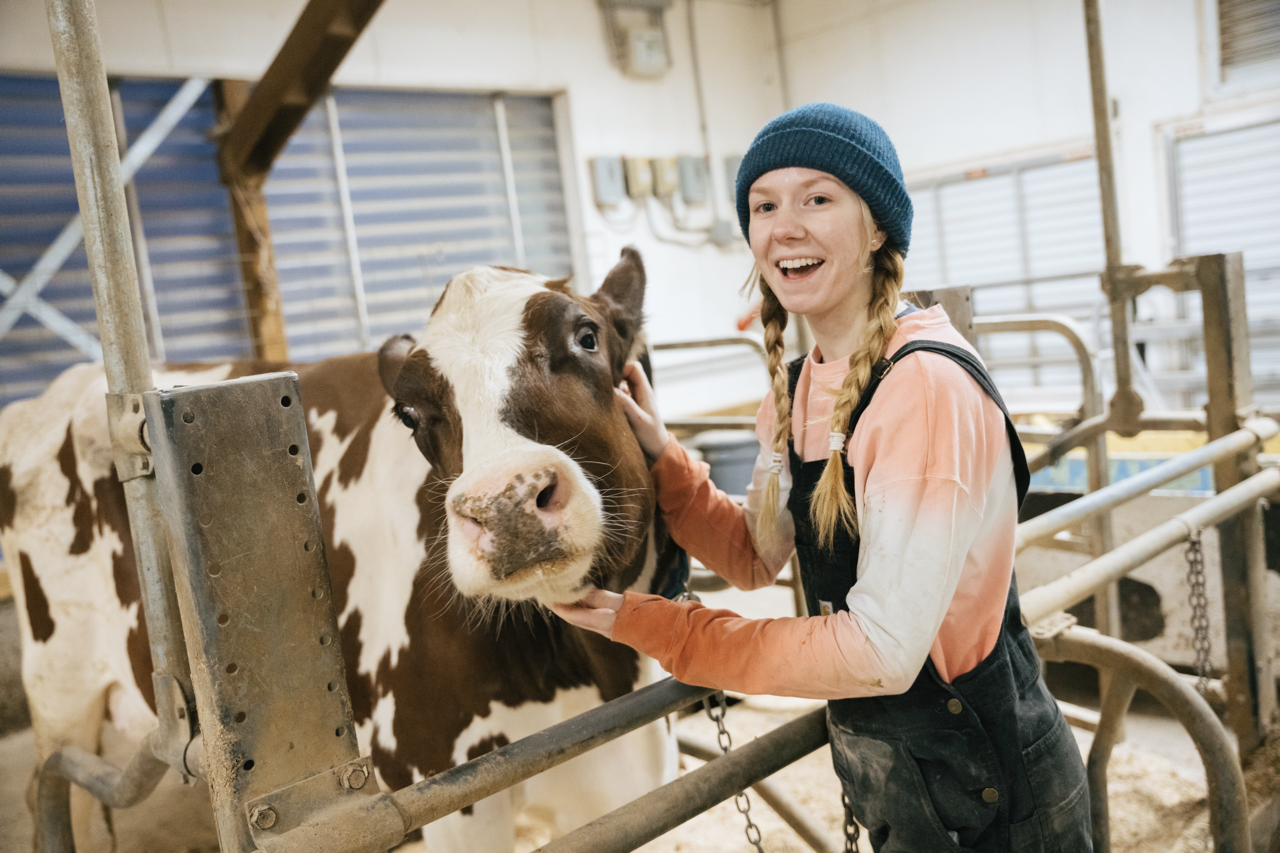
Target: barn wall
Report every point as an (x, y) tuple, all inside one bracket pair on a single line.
[(551, 46), (962, 85)]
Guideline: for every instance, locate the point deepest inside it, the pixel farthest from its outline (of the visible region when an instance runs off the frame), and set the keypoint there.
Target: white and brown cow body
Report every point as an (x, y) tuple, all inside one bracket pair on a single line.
[(518, 481)]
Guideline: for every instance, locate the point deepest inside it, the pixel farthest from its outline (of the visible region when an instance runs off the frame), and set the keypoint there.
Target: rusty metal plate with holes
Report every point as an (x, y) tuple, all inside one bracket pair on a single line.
[(235, 477)]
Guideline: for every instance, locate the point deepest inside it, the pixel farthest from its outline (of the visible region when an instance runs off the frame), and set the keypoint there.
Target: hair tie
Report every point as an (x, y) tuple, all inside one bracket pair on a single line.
[(775, 464), (837, 441)]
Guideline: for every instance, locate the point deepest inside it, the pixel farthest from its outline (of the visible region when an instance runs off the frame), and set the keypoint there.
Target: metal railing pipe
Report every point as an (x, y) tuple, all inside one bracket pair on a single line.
[(1084, 581), (1228, 806), (1059, 324), (461, 786), (735, 340), (671, 805), (1092, 427), (1255, 432), (116, 788), (385, 819)]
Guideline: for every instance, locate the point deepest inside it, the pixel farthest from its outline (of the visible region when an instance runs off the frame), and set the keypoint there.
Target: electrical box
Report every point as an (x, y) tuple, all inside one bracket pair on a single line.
[(639, 177), (666, 177), (693, 179), (731, 164), (606, 177), (645, 51)]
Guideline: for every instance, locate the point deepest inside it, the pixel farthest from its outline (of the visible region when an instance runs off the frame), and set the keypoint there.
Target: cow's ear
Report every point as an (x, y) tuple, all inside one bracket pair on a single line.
[(624, 288), (391, 358)]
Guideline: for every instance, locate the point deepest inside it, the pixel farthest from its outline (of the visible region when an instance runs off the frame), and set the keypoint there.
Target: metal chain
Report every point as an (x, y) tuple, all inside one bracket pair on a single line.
[(742, 802), (1199, 610), (852, 832)]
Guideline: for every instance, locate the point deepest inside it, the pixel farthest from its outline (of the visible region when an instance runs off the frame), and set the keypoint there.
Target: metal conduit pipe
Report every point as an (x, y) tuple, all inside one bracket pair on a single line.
[(1228, 806), (1084, 581), (809, 830), (671, 805), (1255, 432), (1059, 324)]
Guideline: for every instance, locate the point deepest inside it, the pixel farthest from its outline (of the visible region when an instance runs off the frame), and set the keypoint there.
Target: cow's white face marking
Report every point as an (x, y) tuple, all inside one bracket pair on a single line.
[(475, 339)]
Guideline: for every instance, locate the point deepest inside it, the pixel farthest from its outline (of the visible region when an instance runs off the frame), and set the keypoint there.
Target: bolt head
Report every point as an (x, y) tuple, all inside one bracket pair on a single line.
[(354, 778), (263, 817)]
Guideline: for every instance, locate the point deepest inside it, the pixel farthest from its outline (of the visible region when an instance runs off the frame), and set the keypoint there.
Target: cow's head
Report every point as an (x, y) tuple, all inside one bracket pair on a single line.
[(509, 393)]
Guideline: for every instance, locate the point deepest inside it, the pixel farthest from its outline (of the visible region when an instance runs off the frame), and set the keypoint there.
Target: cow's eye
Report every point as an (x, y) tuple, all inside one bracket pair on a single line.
[(408, 415), (586, 338)]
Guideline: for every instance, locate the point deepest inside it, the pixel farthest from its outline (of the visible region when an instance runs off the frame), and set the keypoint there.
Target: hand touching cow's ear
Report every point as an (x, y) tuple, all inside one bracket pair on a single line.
[(391, 357), (621, 300)]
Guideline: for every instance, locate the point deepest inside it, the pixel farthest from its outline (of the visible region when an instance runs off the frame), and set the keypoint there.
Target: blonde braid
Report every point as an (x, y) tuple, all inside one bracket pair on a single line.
[(774, 317), (832, 503)]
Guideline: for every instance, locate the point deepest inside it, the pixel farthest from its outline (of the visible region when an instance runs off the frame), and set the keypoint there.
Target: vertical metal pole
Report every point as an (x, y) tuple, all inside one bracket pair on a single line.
[(96, 160), (1024, 250), (348, 220), (141, 255), (509, 175), (1126, 405), (1251, 691)]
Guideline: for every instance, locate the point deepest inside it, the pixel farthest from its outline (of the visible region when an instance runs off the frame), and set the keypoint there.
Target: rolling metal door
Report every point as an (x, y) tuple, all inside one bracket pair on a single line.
[(37, 197), (428, 198), (1227, 202), (185, 215)]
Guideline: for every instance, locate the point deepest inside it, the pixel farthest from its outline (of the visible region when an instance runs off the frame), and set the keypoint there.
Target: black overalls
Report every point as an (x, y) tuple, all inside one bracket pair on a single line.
[(986, 763)]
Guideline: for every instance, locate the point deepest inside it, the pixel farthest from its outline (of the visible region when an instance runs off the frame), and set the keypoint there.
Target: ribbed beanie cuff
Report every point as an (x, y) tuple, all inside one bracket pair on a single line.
[(842, 143)]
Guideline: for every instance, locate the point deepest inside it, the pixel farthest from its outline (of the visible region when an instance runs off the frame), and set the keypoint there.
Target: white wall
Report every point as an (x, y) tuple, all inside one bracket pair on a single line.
[(970, 84), (544, 46)]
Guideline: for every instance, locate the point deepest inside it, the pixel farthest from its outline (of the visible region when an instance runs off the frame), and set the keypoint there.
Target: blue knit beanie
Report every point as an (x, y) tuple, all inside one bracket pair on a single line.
[(842, 143)]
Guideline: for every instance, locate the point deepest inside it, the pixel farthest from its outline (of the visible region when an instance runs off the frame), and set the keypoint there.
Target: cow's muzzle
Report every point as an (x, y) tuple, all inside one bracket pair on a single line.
[(519, 525)]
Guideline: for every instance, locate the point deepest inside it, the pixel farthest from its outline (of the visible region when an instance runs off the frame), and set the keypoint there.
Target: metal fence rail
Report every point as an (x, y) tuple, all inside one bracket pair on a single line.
[(1129, 668), (1254, 433), (1075, 587), (659, 811)]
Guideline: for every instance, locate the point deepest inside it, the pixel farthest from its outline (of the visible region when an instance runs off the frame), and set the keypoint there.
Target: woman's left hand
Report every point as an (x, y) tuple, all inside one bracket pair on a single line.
[(595, 611)]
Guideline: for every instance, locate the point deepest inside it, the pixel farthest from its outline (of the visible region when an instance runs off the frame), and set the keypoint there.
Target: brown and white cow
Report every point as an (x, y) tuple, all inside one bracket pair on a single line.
[(525, 485)]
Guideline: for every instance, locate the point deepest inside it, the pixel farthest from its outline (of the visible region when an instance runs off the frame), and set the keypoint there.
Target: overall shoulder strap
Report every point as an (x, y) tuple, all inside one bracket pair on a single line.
[(971, 364), (793, 378)]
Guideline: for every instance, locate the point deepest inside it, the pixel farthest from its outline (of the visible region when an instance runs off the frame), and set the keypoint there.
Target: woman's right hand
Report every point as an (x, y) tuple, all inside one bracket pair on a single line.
[(636, 397)]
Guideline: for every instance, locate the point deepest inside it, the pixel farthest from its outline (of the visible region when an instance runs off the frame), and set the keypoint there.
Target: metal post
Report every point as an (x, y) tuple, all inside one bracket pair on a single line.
[(1126, 404), (1251, 696), (96, 159), (509, 177), (348, 220), (142, 256)]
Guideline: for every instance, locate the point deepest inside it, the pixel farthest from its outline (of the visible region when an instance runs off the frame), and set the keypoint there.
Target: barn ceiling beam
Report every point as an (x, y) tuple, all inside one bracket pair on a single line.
[(324, 34)]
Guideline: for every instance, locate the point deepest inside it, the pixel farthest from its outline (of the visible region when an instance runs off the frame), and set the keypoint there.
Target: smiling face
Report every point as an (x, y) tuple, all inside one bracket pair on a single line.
[(812, 238)]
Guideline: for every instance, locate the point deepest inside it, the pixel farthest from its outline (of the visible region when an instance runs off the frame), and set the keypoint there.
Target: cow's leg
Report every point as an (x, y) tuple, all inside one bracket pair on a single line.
[(489, 825), (583, 789)]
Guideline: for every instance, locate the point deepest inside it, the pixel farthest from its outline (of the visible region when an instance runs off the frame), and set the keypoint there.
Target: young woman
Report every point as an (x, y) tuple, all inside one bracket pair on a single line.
[(889, 465)]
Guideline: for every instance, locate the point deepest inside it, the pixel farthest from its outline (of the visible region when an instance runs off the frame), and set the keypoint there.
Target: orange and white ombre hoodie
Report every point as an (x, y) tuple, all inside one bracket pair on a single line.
[(937, 511)]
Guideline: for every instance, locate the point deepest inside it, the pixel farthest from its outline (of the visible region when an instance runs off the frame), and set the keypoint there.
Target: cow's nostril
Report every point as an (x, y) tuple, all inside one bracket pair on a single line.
[(545, 496)]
